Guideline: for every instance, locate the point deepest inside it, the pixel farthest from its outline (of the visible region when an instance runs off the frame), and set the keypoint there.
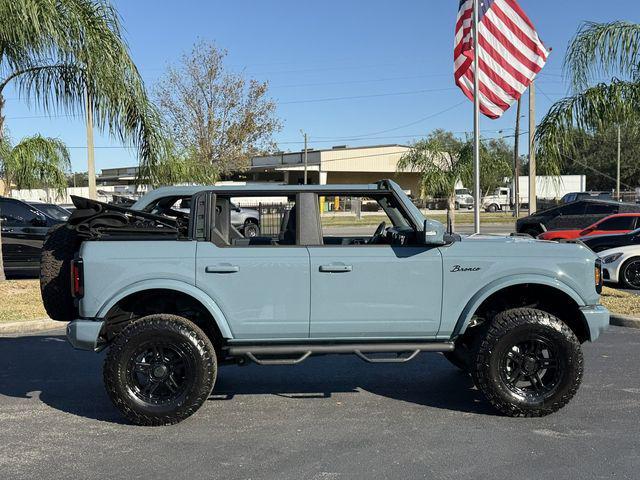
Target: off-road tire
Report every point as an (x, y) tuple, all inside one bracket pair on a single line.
[(520, 324), (60, 246), (165, 330)]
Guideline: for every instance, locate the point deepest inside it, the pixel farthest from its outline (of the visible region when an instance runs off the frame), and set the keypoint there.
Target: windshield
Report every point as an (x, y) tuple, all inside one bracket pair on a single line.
[(462, 191), (54, 211)]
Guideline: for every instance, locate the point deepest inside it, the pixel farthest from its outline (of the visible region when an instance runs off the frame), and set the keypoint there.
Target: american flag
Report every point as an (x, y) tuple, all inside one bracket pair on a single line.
[(510, 53)]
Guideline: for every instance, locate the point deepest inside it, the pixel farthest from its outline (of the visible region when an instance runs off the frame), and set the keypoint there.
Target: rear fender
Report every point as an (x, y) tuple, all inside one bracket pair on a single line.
[(178, 286)]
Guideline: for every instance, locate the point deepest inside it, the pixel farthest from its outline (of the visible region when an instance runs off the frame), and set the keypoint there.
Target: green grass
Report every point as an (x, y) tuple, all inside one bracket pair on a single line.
[(20, 301)]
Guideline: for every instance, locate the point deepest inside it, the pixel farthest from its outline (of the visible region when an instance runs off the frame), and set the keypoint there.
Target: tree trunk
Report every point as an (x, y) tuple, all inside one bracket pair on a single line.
[(451, 212), (2, 277)]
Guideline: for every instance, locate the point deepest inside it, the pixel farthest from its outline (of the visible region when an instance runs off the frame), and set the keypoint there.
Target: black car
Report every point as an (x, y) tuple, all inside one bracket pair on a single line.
[(23, 230), (573, 215), (55, 211), (599, 243)]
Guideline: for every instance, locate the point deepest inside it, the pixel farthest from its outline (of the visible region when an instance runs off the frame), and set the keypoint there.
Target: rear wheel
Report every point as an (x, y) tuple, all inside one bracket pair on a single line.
[(160, 370), (529, 363), (630, 273)]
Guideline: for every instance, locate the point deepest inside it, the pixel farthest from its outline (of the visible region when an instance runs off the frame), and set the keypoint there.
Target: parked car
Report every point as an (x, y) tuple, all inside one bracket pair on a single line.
[(246, 220), (613, 224), (601, 243), (173, 298), (621, 265), (54, 211), (23, 231), (573, 196), (574, 215)]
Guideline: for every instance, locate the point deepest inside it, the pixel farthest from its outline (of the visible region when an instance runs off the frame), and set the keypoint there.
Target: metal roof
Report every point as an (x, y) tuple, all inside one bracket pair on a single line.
[(253, 189)]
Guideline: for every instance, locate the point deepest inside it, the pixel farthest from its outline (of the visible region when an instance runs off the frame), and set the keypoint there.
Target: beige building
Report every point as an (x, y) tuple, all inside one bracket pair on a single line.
[(339, 164)]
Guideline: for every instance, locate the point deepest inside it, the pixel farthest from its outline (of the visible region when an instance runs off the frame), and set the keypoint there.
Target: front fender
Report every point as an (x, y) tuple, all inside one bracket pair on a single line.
[(178, 286), (500, 283)]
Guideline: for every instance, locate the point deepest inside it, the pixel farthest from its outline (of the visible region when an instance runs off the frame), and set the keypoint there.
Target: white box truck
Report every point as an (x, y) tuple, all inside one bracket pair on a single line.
[(547, 188)]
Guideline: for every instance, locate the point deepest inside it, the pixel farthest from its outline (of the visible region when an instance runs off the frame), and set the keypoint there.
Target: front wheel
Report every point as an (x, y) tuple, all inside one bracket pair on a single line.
[(492, 208), (529, 363), (160, 370), (630, 273)]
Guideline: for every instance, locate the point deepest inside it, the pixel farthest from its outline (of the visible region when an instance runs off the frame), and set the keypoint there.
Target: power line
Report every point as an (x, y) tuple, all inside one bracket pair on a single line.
[(420, 120), (351, 82), (354, 97)]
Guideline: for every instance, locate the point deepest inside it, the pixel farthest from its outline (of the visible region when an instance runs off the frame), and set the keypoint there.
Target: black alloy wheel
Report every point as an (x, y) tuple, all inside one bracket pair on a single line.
[(160, 369), (631, 273), (528, 364)]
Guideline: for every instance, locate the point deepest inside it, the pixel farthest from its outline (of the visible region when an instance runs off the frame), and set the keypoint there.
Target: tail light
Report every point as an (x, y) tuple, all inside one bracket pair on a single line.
[(77, 278), (598, 275)]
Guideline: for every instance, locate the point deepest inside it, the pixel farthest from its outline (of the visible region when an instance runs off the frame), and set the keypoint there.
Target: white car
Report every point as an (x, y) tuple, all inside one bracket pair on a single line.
[(622, 265)]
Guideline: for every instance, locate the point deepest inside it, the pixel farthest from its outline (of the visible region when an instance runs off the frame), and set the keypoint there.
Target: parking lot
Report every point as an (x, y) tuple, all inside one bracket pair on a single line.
[(330, 417)]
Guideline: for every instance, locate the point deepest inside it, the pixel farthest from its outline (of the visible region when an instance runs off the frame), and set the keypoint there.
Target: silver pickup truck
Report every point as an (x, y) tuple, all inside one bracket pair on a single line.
[(173, 294)]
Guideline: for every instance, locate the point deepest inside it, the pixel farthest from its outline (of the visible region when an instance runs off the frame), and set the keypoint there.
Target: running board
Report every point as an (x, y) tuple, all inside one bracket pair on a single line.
[(301, 352)]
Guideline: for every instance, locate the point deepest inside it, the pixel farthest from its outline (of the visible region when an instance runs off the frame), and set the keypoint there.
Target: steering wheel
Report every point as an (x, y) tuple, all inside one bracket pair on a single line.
[(379, 233)]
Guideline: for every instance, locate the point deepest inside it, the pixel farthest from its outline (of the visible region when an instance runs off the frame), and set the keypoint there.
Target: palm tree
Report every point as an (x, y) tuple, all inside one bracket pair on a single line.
[(609, 51), (442, 161), (35, 162), (59, 53)]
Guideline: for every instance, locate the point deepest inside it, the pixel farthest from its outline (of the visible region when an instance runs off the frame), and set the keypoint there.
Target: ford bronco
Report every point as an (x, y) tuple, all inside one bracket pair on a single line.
[(173, 294)]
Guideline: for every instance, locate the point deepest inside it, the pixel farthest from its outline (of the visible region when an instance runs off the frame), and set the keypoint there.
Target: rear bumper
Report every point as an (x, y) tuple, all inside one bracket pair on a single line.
[(85, 334), (597, 317)]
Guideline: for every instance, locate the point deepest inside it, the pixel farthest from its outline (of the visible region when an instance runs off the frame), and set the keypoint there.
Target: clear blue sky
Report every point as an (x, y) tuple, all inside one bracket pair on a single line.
[(395, 55)]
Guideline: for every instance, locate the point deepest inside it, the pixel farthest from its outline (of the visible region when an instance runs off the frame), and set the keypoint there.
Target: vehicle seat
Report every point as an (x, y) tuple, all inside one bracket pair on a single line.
[(287, 234)]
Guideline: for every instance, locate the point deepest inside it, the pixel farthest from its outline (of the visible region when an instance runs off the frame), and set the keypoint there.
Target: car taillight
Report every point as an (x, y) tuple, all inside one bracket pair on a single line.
[(598, 275), (77, 278)]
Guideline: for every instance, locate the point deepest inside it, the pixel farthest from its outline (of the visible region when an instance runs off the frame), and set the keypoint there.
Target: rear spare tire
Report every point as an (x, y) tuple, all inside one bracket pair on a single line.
[(59, 248)]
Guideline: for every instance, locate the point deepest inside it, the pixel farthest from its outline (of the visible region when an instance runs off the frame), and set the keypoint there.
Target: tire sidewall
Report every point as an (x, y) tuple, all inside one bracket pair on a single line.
[(160, 329), (623, 271), (507, 329), (565, 353)]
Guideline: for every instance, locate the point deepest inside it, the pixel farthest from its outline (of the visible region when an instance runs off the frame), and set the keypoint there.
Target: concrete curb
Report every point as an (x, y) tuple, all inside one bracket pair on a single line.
[(30, 326), (624, 321)]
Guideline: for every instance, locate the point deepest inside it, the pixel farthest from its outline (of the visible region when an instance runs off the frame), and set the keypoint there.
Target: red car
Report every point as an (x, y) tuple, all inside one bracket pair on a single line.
[(619, 223)]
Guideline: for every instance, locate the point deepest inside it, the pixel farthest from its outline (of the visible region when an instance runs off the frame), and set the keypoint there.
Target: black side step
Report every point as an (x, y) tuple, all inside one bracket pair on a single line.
[(303, 351)]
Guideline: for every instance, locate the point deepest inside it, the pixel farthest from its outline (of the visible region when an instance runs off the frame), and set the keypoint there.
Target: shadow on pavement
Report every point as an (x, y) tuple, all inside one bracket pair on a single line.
[(71, 381)]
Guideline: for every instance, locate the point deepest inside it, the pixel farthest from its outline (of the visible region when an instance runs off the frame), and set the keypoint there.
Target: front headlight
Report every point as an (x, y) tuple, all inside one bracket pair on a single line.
[(611, 258), (597, 273)]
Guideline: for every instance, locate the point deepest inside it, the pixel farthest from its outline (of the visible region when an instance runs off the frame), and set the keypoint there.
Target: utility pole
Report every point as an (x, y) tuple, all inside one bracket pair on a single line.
[(532, 148), (305, 156), (618, 169), (91, 164), (516, 165)]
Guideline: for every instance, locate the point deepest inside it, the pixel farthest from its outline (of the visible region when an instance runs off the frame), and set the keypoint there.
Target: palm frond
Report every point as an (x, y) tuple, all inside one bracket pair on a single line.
[(58, 51), (599, 49), (37, 162), (596, 109)]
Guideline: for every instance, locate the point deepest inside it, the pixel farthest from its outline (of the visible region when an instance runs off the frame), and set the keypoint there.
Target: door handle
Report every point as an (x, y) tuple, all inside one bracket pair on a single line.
[(335, 268), (222, 268)]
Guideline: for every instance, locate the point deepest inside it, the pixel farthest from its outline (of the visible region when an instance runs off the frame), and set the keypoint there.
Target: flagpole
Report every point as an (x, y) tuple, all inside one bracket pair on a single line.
[(476, 123)]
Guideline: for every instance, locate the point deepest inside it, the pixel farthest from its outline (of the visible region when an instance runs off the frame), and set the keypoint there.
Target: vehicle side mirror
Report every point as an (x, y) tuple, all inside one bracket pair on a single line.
[(238, 209), (432, 233)]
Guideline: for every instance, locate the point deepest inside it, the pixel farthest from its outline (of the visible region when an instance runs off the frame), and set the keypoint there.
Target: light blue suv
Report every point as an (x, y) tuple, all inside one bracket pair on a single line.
[(174, 294)]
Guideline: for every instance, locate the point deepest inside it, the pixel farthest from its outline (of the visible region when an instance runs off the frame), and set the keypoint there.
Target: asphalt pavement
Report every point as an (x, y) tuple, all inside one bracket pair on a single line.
[(332, 417)]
